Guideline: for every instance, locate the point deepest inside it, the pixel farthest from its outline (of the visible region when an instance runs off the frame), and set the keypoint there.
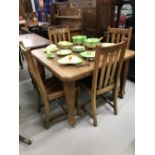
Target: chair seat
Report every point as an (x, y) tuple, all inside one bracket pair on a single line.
[(85, 84), (54, 88)]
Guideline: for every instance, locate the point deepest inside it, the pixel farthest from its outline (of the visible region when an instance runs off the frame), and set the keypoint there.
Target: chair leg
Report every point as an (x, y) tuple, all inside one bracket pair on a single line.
[(115, 101), (39, 102), (33, 81), (93, 102), (47, 118), (20, 60), (22, 56)]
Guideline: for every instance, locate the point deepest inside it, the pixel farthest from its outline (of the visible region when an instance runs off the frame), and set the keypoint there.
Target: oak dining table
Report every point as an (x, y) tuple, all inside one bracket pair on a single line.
[(70, 74)]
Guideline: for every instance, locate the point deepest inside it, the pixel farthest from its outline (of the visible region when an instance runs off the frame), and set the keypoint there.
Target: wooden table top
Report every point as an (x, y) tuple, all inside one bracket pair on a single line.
[(69, 72), (33, 41)]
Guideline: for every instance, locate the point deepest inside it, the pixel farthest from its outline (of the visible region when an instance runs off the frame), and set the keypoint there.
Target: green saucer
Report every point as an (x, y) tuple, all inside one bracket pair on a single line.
[(88, 54)]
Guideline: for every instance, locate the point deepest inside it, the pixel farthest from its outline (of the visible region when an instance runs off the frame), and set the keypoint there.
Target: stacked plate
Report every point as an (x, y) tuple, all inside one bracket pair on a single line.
[(64, 52), (78, 48), (70, 59), (88, 54)]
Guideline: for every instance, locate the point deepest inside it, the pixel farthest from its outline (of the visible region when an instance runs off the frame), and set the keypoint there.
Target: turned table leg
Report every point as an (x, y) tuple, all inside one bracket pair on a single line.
[(69, 90), (123, 78)]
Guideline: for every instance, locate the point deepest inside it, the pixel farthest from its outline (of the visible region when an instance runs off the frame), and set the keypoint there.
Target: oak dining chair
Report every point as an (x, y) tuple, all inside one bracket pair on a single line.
[(116, 35), (49, 89), (56, 35), (107, 67)]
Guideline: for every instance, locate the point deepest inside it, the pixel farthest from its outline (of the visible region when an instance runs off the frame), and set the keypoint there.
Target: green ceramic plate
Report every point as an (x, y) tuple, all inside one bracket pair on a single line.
[(70, 59), (88, 54), (64, 52), (51, 48), (78, 48), (65, 44)]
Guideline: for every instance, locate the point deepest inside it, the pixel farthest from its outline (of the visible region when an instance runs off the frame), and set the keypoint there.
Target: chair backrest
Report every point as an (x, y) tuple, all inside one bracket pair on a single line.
[(107, 67), (57, 35), (118, 34), (33, 68)]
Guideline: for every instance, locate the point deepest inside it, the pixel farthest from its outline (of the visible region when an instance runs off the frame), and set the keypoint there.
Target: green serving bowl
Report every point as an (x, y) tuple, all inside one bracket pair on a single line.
[(92, 42), (78, 39)]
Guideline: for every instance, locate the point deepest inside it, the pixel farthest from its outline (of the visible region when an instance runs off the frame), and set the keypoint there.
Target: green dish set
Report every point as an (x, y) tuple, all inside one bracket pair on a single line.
[(88, 42), (80, 42)]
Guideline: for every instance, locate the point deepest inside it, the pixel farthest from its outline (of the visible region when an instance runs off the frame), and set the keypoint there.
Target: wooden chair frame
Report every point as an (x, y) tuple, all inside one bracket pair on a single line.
[(57, 35), (118, 35), (47, 96), (107, 67)]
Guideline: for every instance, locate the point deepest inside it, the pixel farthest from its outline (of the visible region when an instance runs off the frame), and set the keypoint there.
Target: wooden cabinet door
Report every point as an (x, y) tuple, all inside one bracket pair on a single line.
[(104, 15)]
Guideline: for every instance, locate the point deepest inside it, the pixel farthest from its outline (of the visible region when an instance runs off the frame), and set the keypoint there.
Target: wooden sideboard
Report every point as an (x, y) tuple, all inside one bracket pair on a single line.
[(96, 19), (70, 17)]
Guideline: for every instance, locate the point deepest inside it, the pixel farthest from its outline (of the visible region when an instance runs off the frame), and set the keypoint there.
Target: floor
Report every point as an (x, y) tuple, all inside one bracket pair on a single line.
[(115, 135)]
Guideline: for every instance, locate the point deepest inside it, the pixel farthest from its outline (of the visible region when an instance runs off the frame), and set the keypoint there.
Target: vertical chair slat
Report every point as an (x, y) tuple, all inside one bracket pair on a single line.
[(63, 37), (103, 69), (118, 38), (113, 38), (111, 56), (107, 37), (117, 53), (59, 37), (123, 37), (55, 39), (69, 36)]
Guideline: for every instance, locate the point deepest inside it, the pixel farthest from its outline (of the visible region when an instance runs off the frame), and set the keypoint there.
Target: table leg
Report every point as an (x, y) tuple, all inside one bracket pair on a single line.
[(123, 78), (69, 90)]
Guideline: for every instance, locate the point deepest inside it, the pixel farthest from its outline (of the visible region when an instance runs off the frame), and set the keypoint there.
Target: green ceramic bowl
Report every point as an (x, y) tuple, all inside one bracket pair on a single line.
[(78, 39), (50, 55), (91, 42), (50, 48)]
